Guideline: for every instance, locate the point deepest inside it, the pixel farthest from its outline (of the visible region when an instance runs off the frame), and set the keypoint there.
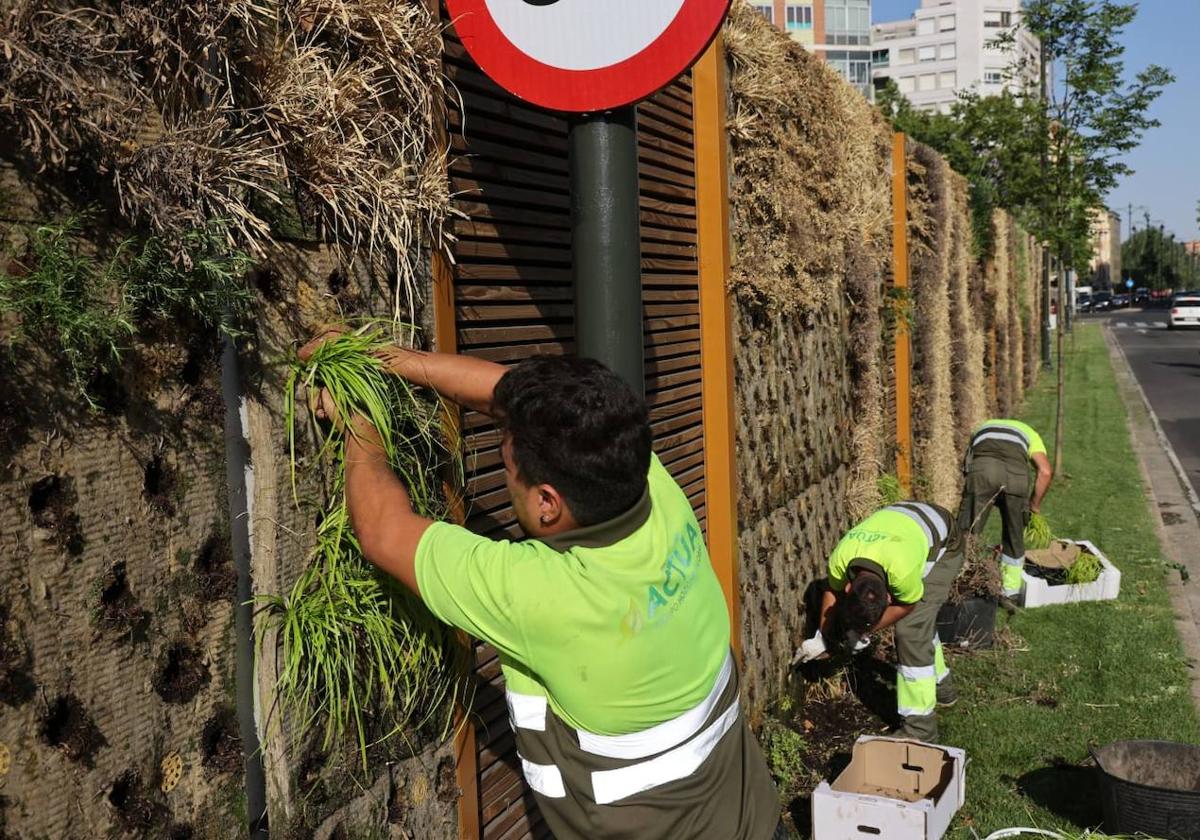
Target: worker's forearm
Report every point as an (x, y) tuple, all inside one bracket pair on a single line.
[(1041, 487), (891, 615), (373, 492), (465, 380), (828, 601)]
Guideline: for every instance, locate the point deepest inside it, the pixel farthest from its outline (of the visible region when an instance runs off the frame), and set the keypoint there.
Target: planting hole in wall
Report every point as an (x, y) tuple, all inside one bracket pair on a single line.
[(133, 809), (180, 674), (114, 609), (214, 568), (220, 742), (66, 725), (160, 485), (52, 501), (16, 663)]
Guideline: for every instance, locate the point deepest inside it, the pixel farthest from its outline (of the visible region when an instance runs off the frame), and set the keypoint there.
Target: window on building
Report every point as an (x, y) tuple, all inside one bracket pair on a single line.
[(997, 20), (881, 58), (766, 10), (907, 56), (927, 54), (948, 80), (799, 17), (907, 84), (946, 52), (947, 23), (993, 77), (925, 26), (927, 81)]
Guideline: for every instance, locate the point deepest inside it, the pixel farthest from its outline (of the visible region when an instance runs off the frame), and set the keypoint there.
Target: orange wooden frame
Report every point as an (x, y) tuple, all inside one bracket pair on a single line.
[(716, 329), (900, 272)]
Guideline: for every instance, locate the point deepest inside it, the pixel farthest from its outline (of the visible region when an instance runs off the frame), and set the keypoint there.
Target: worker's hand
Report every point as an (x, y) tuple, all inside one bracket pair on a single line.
[(813, 648), (326, 332), (324, 408), (862, 644)]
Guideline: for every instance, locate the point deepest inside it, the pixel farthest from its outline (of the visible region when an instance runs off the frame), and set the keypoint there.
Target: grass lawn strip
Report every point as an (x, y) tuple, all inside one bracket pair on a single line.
[(1083, 674)]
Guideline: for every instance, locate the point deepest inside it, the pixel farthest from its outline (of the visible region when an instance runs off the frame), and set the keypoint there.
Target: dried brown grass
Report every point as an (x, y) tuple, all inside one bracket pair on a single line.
[(967, 368), (935, 448), (211, 111)]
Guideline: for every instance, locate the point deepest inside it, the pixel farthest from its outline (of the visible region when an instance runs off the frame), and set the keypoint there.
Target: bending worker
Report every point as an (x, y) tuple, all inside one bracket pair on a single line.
[(612, 627), (997, 473), (896, 567)]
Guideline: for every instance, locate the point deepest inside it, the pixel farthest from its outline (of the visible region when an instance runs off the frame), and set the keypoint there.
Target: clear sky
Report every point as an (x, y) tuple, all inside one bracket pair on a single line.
[(1167, 165)]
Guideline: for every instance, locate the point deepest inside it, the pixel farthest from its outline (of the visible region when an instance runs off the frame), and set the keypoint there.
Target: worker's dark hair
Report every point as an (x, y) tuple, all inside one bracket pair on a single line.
[(578, 427), (866, 602)]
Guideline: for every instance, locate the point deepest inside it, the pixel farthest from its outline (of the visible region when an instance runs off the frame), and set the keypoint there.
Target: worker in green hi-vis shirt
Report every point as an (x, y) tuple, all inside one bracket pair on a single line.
[(611, 625), (997, 469), (895, 568)]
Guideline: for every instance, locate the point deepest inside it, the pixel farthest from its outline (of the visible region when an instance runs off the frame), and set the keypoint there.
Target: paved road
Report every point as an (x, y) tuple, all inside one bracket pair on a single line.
[(1167, 366)]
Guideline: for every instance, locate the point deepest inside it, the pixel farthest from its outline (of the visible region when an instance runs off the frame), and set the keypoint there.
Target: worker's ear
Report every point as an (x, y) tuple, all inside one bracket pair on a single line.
[(552, 510)]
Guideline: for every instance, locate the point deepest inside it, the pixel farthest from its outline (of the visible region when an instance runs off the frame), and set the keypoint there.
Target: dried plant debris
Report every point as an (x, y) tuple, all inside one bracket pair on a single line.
[(66, 725), (188, 113), (221, 743), (160, 485), (980, 575), (180, 673), (134, 807), (52, 501), (113, 607)]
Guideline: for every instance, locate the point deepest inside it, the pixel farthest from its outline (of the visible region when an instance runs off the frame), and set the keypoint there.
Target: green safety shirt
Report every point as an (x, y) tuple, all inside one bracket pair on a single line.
[(1036, 446), (621, 625), (894, 543)]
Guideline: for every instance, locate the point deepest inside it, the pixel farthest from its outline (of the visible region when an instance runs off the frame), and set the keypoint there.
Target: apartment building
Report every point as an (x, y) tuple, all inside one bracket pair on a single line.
[(838, 30), (950, 46), (1105, 262)]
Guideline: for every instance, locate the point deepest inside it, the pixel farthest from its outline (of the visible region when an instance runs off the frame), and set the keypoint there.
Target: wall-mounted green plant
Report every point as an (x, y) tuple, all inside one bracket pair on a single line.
[(899, 308), (362, 656), (890, 490), (84, 305)]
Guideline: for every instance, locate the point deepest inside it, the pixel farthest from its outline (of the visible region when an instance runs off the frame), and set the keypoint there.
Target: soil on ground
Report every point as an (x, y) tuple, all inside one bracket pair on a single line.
[(16, 663), (133, 809), (160, 485), (214, 568)]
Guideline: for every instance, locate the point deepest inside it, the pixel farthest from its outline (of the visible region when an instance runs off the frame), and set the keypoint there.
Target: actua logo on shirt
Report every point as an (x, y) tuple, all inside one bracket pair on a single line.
[(679, 570)]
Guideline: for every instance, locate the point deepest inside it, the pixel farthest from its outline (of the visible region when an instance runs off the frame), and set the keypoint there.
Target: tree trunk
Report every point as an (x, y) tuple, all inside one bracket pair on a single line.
[(1060, 423)]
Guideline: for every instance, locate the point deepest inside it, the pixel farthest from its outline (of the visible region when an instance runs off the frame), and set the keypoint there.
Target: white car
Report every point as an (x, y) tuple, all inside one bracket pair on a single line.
[(1185, 310)]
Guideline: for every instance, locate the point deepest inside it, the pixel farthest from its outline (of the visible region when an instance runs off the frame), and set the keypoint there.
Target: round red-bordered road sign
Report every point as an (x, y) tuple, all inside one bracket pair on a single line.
[(585, 55)]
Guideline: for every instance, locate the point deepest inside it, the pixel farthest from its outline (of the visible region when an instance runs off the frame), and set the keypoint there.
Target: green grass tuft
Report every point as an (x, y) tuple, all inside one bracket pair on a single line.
[(1037, 533), (363, 657)]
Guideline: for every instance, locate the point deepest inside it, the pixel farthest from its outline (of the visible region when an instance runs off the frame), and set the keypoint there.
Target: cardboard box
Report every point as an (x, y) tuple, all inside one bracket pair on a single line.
[(1040, 593), (892, 790)]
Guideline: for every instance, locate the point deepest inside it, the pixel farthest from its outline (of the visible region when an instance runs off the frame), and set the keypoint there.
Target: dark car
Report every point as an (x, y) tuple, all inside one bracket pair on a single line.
[(1120, 301), (1141, 296), (1102, 301), (1083, 302)]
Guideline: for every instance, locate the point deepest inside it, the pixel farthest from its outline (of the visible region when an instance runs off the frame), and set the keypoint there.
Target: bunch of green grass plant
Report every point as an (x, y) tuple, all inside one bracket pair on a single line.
[(363, 657), (84, 305), (1037, 533), (1085, 569), (890, 490), (67, 301)]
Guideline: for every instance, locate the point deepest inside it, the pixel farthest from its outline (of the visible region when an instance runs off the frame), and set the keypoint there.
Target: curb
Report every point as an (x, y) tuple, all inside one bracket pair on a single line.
[(1167, 486)]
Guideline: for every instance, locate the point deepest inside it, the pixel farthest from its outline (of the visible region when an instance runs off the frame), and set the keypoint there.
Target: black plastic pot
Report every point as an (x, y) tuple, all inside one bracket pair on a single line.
[(1151, 788), (970, 624)]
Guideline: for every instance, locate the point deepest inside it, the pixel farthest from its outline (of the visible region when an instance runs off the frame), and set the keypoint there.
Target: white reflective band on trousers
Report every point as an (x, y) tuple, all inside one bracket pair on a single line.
[(664, 735), (913, 673), (1012, 561), (610, 786), (682, 749), (543, 778), (526, 711)]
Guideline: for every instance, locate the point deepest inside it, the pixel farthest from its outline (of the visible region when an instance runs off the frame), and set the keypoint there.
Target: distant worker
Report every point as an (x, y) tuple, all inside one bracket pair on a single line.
[(612, 627), (896, 567), (997, 468)]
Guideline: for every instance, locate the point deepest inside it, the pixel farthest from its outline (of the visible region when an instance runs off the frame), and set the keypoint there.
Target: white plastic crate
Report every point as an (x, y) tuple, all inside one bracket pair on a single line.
[(893, 790), (1040, 593)]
